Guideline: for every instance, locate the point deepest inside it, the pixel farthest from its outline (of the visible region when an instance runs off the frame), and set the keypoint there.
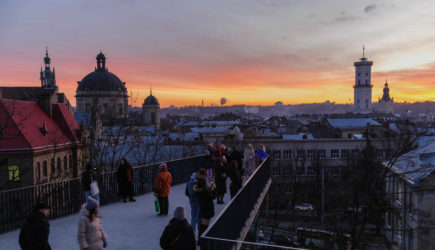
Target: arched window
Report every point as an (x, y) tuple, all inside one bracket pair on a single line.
[(52, 167), (38, 170), (44, 169), (14, 173), (59, 166)]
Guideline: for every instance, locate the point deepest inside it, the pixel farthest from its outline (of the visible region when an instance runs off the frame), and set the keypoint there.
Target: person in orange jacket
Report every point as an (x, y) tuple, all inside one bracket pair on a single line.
[(162, 186)]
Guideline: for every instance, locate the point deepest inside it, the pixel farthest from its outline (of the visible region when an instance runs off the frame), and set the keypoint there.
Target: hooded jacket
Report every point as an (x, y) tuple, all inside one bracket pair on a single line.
[(34, 233), (162, 183), (178, 235), (90, 234)]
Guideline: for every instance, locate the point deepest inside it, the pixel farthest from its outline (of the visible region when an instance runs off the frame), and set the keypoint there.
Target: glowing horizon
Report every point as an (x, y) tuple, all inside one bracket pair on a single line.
[(253, 53)]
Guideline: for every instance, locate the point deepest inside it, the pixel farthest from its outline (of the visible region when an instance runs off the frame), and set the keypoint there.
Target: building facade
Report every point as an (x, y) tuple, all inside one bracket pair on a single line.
[(102, 92)]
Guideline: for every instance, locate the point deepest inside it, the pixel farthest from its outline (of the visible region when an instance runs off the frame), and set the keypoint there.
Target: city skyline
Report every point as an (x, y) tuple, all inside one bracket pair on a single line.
[(253, 53)]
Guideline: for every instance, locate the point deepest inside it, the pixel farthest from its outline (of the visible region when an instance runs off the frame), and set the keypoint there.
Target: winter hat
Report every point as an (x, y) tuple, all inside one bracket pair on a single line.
[(91, 203), (163, 166), (179, 213)]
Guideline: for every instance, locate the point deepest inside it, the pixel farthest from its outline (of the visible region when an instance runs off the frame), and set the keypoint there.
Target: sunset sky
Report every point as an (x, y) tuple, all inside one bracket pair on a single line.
[(251, 52)]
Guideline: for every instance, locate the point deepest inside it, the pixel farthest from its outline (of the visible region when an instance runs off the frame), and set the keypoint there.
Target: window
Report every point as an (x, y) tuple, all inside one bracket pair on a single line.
[(104, 108), (359, 82), (379, 153), (14, 173), (345, 153), (321, 153), (88, 107), (367, 73), (310, 154), (153, 118), (52, 167), (357, 103), (120, 108), (355, 153), (65, 163), (367, 103), (300, 170), (44, 169), (310, 171), (288, 188), (276, 154), (275, 171), (70, 161), (38, 170), (366, 82), (359, 74), (300, 154), (59, 166), (335, 153), (286, 171), (287, 154), (334, 171)]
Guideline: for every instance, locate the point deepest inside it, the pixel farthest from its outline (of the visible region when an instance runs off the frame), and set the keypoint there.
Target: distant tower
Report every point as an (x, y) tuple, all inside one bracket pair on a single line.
[(363, 88), (386, 104), (151, 112), (48, 77)]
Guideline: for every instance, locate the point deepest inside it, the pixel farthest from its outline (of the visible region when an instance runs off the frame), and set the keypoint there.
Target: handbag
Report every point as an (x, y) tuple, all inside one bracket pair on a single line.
[(94, 187), (156, 205)]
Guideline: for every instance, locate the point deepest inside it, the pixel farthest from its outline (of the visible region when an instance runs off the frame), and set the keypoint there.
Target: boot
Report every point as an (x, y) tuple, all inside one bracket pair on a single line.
[(202, 229)]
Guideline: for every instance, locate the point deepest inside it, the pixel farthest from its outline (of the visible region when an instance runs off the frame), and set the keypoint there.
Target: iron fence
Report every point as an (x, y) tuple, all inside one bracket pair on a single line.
[(65, 197)]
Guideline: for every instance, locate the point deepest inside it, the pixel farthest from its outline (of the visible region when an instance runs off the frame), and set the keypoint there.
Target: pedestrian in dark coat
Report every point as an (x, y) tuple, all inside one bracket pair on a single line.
[(178, 235), (35, 230), (125, 180), (88, 176), (206, 206), (236, 174), (221, 180), (237, 156)]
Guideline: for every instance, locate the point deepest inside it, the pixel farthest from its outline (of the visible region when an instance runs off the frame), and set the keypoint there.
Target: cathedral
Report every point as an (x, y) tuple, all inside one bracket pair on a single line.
[(103, 92), (386, 104)]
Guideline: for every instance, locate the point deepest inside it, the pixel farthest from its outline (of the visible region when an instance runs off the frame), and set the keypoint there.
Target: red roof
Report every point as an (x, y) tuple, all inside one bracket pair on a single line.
[(28, 128)]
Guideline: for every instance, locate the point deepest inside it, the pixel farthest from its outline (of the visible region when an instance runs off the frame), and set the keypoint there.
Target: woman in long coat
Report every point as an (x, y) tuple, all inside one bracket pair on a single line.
[(220, 179), (125, 180), (206, 205), (249, 159)]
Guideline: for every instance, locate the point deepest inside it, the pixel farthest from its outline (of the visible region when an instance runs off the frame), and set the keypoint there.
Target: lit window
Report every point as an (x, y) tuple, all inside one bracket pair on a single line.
[(14, 173)]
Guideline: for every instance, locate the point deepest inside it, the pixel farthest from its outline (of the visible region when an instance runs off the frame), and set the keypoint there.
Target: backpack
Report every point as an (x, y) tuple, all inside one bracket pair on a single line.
[(186, 192)]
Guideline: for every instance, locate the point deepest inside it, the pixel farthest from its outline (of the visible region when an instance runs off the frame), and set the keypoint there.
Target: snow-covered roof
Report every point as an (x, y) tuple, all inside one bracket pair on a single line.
[(351, 123), (209, 130), (416, 164), (299, 136)]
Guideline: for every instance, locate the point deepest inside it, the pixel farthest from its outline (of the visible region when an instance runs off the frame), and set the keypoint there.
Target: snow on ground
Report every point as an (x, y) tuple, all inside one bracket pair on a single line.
[(132, 225)]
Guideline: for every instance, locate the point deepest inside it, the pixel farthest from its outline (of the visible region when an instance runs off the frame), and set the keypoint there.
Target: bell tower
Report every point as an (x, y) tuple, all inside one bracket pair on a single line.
[(363, 86), (48, 77)]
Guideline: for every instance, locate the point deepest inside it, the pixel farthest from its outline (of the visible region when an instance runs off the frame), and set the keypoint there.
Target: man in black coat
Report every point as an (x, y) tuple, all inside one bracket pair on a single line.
[(178, 235), (35, 230)]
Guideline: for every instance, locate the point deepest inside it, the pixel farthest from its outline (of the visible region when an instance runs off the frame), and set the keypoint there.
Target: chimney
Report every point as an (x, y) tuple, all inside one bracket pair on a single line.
[(45, 103)]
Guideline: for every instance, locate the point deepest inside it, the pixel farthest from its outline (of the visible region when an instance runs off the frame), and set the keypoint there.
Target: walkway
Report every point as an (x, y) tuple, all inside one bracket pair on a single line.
[(132, 225)]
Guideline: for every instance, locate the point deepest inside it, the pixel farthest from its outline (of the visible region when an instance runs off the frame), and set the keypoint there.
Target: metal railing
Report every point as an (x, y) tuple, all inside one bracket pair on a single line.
[(231, 226), (66, 197)]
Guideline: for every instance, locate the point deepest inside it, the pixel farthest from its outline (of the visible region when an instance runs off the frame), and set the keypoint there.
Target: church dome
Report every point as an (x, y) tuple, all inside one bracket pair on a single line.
[(151, 100), (101, 79)]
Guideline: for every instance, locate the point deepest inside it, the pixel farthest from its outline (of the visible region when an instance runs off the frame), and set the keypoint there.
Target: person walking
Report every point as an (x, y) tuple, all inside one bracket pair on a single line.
[(162, 186), (91, 235), (193, 198), (35, 230), (88, 176), (249, 159), (125, 180), (206, 205), (178, 235), (235, 173), (261, 153)]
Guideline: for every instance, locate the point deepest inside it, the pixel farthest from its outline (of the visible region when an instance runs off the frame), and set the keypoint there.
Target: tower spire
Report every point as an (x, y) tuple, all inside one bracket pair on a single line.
[(151, 91), (363, 51)]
